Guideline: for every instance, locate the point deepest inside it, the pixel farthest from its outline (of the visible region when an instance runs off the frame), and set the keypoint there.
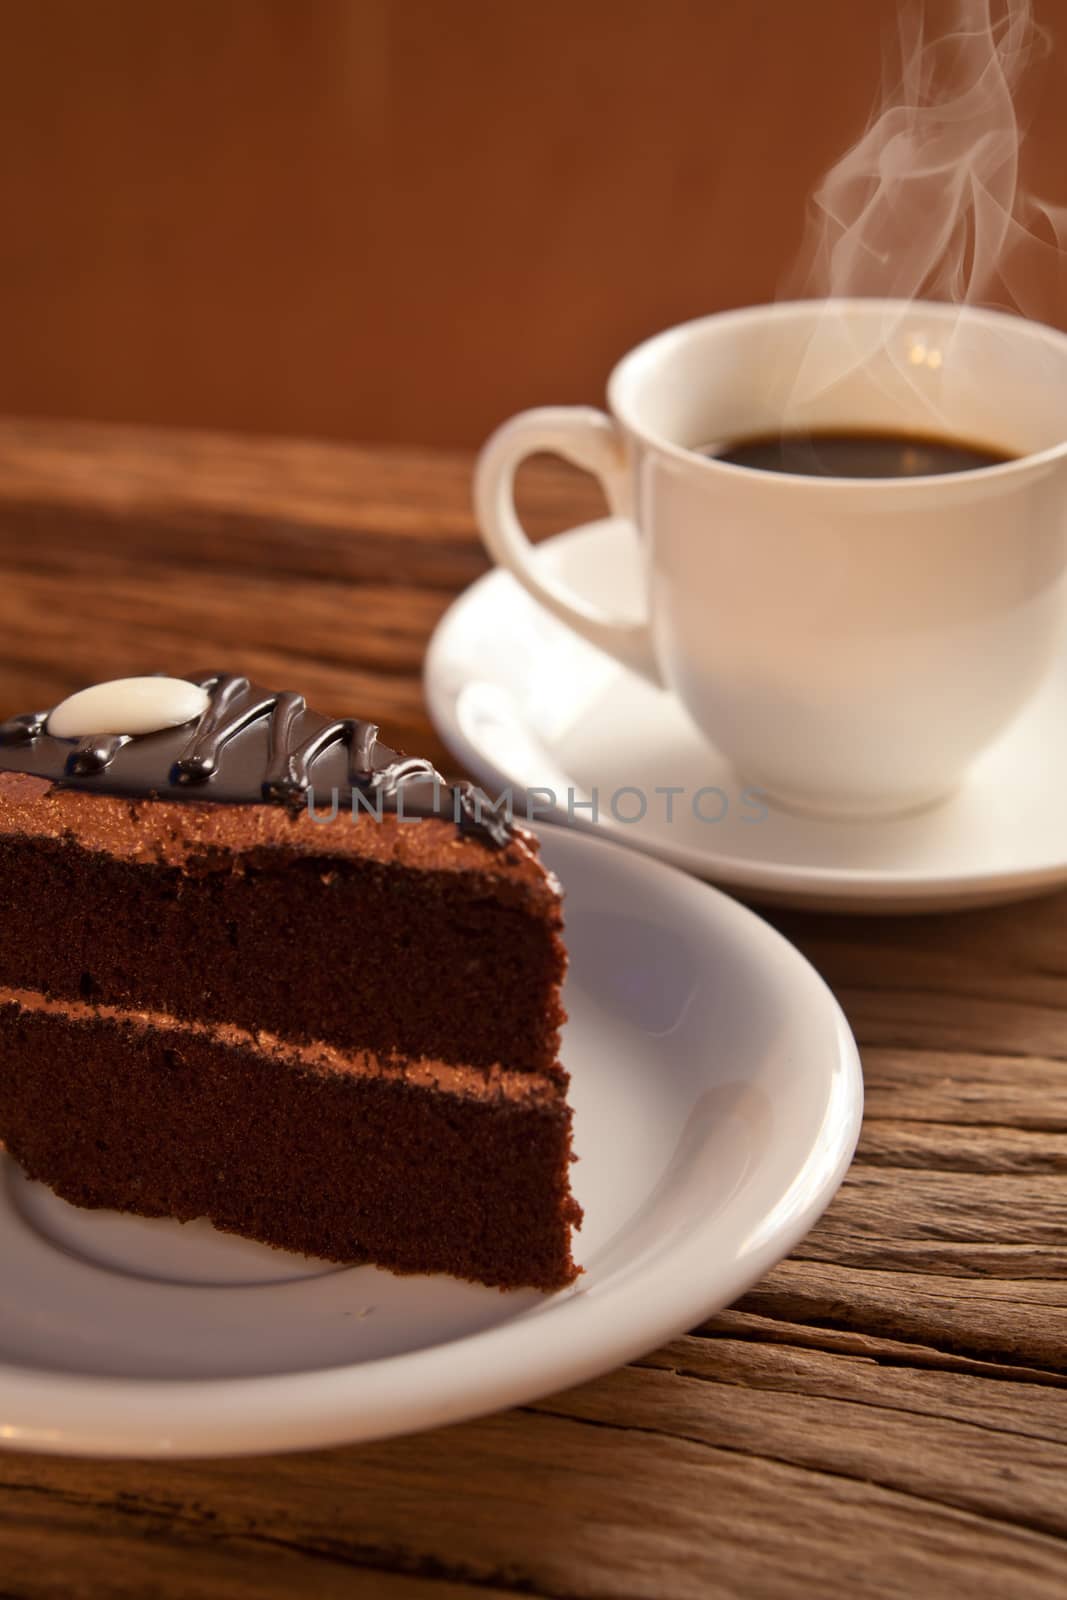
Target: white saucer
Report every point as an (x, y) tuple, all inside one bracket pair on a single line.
[(523, 703), (717, 1096)]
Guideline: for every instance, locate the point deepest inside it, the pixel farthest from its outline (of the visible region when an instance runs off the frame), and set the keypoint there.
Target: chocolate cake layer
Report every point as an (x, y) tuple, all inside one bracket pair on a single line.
[(392, 936), (420, 1167), (261, 967)]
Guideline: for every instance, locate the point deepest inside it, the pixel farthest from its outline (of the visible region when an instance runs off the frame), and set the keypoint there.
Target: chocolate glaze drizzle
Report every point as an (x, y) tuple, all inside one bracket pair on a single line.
[(96, 753), (251, 745)]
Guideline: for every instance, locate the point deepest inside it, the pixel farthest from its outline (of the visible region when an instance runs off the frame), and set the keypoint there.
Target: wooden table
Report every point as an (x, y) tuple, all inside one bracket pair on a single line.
[(884, 1415)]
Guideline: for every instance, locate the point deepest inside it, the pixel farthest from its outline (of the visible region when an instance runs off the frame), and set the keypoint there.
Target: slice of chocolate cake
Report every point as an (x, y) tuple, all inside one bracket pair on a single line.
[(258, 967)]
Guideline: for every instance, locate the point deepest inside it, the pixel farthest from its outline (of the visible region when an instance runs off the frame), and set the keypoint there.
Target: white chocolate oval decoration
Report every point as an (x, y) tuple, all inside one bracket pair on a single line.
[(127, 705)]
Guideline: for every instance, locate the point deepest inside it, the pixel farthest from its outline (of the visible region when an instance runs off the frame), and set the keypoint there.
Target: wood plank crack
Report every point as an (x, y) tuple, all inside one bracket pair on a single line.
[(1045, 1528)]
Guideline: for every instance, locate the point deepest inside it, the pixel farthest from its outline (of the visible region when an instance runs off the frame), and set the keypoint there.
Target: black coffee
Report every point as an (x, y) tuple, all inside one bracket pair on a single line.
[(858, 455)]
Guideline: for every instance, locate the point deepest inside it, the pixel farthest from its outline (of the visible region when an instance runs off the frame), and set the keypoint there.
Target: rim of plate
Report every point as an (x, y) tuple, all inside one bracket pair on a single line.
[(738, 871), (568, 1340)]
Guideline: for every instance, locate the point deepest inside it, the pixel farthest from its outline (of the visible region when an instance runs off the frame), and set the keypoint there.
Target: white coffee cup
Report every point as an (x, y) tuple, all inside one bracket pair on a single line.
[(849, 644)]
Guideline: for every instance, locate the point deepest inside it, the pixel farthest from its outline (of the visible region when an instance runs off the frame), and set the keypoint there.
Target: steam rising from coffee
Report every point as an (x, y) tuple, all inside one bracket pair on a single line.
[(930, 202)]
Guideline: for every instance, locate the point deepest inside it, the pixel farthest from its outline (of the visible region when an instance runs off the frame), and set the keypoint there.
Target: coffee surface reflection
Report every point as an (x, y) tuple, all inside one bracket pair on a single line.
[(841, 454)]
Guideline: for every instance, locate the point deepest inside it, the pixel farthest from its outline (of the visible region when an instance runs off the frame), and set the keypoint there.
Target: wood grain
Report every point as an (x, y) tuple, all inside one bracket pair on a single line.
[(885, 1414)]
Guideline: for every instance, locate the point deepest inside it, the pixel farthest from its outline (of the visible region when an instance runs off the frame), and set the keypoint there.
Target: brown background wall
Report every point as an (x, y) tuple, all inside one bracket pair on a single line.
[(405, 220)]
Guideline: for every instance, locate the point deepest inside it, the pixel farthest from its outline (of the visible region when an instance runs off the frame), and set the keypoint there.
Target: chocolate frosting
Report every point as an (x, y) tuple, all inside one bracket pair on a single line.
[(251, 745)]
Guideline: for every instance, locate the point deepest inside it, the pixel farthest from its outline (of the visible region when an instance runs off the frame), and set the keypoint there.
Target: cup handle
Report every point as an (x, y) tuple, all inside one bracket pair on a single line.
[(591, 440)]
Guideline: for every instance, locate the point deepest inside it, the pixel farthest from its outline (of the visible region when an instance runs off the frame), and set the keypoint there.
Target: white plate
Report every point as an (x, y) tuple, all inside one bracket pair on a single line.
[(717, 1097), (522, 702)]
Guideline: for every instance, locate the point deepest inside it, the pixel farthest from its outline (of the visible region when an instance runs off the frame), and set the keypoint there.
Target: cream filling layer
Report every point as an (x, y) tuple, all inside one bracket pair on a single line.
[(480, 1083)]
